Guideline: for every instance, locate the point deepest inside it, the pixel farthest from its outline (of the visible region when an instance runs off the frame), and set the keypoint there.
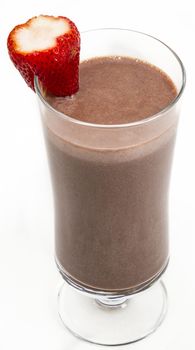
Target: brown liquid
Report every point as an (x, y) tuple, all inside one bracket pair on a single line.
[(116, 91), (111, 205)]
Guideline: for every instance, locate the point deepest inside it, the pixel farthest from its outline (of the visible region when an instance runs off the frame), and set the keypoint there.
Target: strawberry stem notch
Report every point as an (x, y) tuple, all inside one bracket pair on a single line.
[(48, 47)]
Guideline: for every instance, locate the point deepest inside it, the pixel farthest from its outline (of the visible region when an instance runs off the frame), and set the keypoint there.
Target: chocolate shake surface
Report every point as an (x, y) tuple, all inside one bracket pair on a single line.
[(111, 228), (116, 90)]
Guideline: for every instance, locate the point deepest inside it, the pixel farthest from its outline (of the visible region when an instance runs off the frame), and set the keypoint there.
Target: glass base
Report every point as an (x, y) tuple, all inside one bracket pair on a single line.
[(106, 321)]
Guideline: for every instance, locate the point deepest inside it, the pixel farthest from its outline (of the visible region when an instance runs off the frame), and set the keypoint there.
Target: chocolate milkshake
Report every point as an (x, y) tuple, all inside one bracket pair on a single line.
[(111, 202)]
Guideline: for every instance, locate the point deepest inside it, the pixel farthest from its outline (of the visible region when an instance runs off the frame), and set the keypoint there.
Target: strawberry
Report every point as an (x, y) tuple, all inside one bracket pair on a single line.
[(48, 47)]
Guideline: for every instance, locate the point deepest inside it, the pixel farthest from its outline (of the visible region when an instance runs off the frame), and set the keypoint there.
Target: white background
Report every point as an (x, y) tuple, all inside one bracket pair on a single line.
[(29, 280)]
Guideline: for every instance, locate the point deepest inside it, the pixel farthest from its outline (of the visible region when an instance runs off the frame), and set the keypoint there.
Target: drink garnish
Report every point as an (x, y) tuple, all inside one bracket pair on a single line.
[(48, 47)]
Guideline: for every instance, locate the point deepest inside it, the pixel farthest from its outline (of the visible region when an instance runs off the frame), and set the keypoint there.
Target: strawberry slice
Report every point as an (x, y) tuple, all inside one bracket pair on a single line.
[(48, 47)]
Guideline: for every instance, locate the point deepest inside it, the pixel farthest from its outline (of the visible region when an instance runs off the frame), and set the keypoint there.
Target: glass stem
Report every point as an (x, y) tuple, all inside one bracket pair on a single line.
[(111, 302)]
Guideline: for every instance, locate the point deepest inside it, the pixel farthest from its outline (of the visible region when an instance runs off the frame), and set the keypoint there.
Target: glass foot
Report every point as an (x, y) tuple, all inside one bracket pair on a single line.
[(105, 321)]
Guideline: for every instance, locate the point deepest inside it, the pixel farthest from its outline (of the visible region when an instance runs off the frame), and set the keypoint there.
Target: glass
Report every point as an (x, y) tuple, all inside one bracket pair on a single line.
[(110, 186)]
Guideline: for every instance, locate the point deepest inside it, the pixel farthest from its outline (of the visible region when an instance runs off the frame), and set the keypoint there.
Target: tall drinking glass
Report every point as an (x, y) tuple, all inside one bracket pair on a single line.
[(110, 187)]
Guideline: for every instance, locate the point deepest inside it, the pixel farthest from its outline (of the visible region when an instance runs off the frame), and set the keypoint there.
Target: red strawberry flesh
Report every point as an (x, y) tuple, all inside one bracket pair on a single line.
[(49, 48)]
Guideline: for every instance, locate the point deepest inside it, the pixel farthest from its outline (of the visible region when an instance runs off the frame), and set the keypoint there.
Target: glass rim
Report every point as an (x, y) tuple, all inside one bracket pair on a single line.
[(124, 125)]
